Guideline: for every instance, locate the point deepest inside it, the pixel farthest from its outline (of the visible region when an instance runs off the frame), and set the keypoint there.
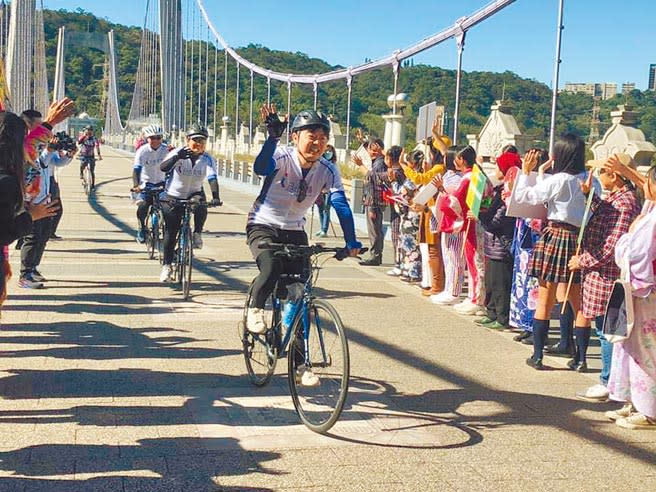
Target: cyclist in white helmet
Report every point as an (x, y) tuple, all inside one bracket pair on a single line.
[(147, 175)]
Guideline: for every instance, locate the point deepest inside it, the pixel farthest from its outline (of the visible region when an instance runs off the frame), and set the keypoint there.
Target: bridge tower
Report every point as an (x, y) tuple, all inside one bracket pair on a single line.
[(171, 63)]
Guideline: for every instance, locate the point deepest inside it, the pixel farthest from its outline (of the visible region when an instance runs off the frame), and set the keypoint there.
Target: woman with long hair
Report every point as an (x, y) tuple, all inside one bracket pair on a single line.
[(15, 217)]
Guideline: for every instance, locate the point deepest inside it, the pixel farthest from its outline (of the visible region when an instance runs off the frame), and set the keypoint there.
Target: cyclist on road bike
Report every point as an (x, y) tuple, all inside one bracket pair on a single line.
[(147, 175), (89, 145), (186, 169), (294, 179)]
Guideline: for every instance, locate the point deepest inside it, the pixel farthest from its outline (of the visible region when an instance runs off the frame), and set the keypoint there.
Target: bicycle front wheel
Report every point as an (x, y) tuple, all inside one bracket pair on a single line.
[(151, 232), (159, 236), (187, 259), (260, 351), (319, 382)]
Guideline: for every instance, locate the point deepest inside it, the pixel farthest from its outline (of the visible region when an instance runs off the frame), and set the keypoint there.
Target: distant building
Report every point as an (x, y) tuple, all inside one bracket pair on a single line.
[(628, 87), (652, 77), (605, 90)]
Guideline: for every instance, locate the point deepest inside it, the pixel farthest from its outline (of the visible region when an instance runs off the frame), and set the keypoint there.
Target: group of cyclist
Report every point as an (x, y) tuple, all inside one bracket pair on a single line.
[(174, 174), (293, 179)]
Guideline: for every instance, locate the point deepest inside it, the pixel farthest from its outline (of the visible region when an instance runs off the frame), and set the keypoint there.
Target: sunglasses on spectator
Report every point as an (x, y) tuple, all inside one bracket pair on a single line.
[(155, 137), (199, 139)]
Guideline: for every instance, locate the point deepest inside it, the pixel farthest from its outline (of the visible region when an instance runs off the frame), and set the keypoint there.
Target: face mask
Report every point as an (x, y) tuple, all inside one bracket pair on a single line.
[(328, 155)]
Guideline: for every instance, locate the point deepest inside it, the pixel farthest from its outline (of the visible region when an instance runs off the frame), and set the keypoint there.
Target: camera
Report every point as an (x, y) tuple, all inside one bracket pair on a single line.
[(63, 141)]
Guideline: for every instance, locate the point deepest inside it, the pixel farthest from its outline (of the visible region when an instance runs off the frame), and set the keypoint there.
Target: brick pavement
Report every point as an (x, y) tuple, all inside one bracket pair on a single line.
[(110, 382)]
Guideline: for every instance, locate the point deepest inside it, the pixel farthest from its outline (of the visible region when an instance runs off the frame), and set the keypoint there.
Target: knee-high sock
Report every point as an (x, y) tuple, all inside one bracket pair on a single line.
[(566, 326), (540, 331), (582, 342)]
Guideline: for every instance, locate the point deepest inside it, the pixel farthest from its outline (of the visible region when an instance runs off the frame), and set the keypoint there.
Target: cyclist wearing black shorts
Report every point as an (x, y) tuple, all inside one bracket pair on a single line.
[(294, 177), (147, 175), (186, 168), (89, 145)]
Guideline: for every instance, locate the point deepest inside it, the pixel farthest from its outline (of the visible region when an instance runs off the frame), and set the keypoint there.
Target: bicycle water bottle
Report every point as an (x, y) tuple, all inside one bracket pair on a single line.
[(294, 295)]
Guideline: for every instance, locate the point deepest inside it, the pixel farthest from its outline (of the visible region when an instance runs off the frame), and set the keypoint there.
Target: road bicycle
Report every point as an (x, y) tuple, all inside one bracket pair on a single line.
[(310, 332), (87, 181), (184, 253)]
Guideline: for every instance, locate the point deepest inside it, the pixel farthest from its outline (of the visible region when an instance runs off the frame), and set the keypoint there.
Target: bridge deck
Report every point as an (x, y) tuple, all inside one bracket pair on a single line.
[(109, 381)]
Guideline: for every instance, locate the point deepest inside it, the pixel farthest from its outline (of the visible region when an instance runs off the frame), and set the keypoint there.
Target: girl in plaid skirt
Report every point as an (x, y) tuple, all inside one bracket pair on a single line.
[(561, 193), (610, 220)]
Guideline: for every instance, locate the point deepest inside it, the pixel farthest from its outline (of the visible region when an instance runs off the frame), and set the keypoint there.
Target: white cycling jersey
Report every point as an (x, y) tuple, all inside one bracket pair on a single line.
[(148, 160), (277, 203), (186, 178)]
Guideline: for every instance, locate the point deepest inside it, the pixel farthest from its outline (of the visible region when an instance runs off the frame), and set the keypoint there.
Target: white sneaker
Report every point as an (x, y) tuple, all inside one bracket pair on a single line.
[(306, 377), (596, 393), (255, 321), (443, 298), (198, 240), (394, 272), (165, 275), (637, 421), (622, 413), (469, 308)]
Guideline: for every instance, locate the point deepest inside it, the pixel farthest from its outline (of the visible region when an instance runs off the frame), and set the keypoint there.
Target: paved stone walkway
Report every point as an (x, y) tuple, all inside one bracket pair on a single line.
[(110, 382)]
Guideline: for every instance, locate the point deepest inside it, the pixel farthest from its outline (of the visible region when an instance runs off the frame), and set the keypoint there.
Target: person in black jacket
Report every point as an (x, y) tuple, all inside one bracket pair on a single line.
[(15, 217), (499, 230)]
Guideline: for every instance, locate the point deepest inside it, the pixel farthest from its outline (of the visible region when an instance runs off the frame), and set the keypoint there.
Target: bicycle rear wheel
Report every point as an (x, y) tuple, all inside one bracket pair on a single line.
[(260, 351), (185, 263), (319, 406)]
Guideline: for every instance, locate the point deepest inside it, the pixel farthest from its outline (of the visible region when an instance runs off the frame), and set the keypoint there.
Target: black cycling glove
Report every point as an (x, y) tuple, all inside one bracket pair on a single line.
[(184, 153), (275, 126)]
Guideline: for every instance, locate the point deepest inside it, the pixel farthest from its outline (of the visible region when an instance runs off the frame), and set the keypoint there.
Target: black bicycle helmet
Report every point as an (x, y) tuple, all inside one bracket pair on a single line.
[(197, 130), (310, 118)]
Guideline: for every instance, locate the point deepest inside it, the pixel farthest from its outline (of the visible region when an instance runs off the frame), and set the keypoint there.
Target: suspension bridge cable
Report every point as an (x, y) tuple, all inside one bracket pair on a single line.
[(462, 24), (250, 116), (186, 64), (216, 77), (225, 85), (349, 86), (289, 107), (200, 67), (268, 90), (237, 104), (207, 69)]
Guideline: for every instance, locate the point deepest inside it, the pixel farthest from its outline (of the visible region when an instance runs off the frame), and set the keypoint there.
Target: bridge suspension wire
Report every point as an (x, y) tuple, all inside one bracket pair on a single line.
[(216, 79), (289, 107), (207, 71), (225, 85), (40, 78), (268, 88), (237, 103), (349, 88), (250, 115), (185, 40)]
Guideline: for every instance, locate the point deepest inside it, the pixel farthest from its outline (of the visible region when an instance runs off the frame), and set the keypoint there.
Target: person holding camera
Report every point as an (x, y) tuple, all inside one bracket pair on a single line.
[(34, 243), (187, 167)]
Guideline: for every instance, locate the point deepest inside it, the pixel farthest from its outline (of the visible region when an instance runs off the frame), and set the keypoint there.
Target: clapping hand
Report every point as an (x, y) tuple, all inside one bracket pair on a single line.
[(586, 185), (59, 111), (529, 161)]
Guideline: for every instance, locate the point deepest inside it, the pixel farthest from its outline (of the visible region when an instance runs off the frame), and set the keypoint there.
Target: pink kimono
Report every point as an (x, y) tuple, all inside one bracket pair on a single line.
[(633, 369)]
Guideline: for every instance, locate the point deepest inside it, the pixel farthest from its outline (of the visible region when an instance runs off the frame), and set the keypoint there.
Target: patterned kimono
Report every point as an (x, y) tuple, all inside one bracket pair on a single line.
[(524, 293)]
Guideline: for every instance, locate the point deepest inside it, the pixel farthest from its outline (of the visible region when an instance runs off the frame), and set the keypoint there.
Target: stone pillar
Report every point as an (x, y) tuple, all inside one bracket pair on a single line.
[(394, 130)]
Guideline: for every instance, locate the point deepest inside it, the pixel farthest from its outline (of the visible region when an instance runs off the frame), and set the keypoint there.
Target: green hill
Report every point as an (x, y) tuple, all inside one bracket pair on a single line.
[(531, 99)]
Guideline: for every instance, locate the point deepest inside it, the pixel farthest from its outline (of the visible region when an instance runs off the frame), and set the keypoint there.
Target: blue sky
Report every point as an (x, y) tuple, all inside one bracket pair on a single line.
[(603, 40)]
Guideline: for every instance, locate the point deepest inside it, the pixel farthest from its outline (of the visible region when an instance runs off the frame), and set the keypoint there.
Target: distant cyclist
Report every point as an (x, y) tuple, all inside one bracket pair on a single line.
[(89, 145), (147, 175), (186, 168), (294, 177)]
